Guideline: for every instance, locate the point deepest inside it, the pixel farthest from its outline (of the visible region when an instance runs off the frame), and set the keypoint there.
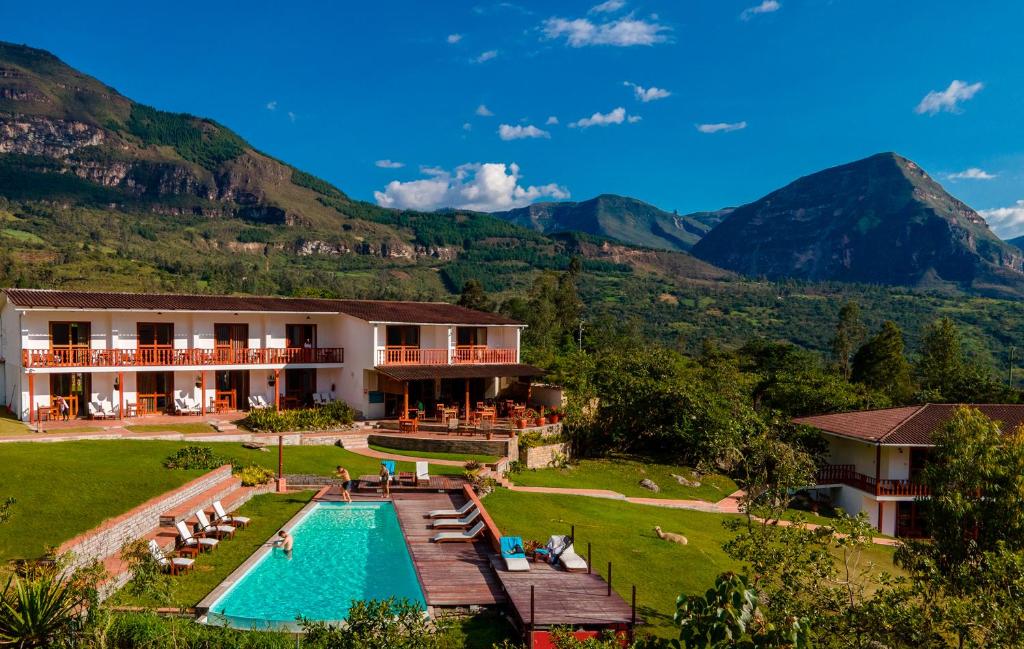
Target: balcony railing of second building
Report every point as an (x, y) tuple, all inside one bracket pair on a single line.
[(847, 474), (169, 357), (462, 354)]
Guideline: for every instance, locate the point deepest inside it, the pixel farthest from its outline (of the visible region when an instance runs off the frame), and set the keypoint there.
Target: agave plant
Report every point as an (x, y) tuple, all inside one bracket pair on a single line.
[(39, 612)]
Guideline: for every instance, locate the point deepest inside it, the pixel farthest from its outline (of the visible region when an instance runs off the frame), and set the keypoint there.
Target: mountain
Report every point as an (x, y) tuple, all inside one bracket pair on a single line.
[(1017, 242), (617, 217), (880, 220)]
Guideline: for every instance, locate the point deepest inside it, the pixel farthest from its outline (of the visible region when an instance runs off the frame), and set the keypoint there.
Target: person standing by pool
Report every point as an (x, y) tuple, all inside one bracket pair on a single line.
[(286, 542), (385, 481), (346, 483)]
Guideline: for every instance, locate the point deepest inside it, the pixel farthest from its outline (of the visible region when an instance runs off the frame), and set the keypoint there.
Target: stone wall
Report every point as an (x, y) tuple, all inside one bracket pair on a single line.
[(106, 539), (499, 447), (539, 457)]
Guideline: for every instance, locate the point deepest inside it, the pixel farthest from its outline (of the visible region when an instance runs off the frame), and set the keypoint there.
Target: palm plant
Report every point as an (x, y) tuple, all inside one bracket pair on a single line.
[(39, 612)]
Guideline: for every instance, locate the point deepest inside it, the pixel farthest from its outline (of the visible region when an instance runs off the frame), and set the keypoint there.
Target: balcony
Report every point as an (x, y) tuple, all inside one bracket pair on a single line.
[(846, 474), (168, 357), (461, 355)]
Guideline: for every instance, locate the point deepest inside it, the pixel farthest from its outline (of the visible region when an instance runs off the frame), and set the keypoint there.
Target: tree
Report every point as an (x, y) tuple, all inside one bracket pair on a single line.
[(850, 332), (941, 367), (881, 365), (474, 297)]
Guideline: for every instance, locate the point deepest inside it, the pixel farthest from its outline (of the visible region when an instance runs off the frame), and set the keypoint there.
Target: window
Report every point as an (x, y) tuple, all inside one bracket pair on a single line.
[(69, 334), (403, 336), (155, 334), (300, 335)]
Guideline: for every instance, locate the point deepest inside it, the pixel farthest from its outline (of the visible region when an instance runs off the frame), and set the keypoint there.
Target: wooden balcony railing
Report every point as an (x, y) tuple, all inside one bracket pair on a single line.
[(166, 357), (847, 474), (483, 354), (480, 355)]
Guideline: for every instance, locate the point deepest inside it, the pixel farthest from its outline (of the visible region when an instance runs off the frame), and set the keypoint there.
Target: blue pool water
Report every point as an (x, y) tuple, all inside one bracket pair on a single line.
[(343, 552)]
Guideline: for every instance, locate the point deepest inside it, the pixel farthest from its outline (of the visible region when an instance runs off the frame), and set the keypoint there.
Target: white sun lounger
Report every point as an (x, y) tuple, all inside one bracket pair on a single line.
[(188, 540), (465, 521), (422, 472), (452, 513), (174, 565), (456, 537), (220, 530), (562, 548), (224, 517)]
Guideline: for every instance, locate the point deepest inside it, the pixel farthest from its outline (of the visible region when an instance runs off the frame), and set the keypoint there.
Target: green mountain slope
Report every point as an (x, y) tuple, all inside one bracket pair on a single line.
[(618, 217), (879, 220)]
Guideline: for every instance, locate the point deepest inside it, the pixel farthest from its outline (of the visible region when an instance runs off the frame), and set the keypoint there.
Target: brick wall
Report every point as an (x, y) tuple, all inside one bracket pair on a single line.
[(109, 536), (498, 447), (538, 457)]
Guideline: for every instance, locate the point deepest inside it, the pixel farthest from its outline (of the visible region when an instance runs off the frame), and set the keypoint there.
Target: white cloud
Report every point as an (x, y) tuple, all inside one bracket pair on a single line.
[(971, 173), (389, 164), (466, 126), (291, 116), (607, 7), (647, 94), (454, 38), (428, 170), (272, 105), (486, 56), (949, 99), (552, 120), (623, 32), (486, 187), (484, 111), (616, 116), (721, 127), (766, 7), (1006, 222), (509, 132)]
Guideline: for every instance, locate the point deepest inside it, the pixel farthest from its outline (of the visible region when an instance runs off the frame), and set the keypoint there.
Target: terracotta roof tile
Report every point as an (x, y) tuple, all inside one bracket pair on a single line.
[(911, 425), (371, 310)]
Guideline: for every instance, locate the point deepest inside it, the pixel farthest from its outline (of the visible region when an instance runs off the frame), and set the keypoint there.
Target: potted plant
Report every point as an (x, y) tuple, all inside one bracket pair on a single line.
[(554, 416)]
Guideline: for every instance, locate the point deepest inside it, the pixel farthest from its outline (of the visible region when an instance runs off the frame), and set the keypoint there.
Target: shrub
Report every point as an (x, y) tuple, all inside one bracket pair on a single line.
[(377, 624), (130, 630), (329, 417), (195, 457), (472, 465), (254, 475)]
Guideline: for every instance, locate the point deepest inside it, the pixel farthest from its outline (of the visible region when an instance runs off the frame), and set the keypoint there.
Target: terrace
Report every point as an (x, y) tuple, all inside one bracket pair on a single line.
[(166, 356), (847, 474)]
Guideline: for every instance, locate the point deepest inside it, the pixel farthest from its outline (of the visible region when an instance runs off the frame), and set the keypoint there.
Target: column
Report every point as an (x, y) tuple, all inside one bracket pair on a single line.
[(277, 390), (120, 395), (202, 392), (31, 397)]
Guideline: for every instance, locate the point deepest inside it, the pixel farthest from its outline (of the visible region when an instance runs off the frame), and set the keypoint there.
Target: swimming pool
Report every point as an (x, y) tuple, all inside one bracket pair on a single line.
[(343, 552)]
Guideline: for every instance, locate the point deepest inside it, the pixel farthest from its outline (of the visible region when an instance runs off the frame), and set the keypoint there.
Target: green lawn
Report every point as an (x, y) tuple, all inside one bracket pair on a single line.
[(431, 455), (623, 533), (11, 426), (624, 475), (66, 488), (184, 428), (268, 513)]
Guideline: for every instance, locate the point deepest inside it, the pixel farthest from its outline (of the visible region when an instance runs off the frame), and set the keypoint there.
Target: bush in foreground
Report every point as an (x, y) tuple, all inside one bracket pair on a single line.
[(332, 416)]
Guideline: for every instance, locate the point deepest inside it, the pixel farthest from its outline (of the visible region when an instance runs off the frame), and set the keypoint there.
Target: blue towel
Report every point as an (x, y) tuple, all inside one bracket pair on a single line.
[(512, 547), (389, 465)]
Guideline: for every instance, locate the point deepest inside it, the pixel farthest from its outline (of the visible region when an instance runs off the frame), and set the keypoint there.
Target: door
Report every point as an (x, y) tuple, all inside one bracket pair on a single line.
[(155, 343), (470, 343), (301, 336), (69, 342), (402, 345), (76, 388), (154, 392), (230, 342), (299, 386), (232, 388)]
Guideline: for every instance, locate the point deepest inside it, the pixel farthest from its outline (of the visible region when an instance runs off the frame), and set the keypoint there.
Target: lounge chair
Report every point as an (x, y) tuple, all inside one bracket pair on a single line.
[(108, 409), (422, 472), (459, 537), (191, 542), (261, 402), (562, 550), (253, 404), (513, 554), (220, 531), (185, 406), (96, 411), (452, 513), (222, 516), (174, 565), (318, 399), (465, 521)]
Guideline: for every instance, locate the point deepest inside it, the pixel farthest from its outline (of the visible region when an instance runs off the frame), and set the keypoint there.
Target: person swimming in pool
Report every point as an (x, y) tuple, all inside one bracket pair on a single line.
[(285, 542), (346, 483)]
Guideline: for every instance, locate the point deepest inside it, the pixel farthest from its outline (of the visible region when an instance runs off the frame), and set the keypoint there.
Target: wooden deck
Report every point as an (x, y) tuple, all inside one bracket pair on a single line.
[(562, 598), (451, 574)]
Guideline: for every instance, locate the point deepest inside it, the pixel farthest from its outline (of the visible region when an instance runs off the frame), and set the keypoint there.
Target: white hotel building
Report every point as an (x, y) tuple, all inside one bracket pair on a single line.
[(140, 352)]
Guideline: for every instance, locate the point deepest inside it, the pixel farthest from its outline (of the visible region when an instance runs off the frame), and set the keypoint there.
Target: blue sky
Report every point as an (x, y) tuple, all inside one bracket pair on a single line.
[(742, 96)]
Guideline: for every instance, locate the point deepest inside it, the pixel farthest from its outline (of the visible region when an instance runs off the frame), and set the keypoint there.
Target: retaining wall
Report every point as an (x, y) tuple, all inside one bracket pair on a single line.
[(108, 537), (539, 457), (498, 447)]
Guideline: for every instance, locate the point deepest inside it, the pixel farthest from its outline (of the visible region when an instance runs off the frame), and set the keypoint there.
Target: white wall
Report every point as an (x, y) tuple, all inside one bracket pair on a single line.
[(848, 451)]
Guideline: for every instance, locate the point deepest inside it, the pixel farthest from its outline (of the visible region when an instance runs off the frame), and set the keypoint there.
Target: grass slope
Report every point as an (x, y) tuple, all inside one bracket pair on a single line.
[(66, 488), (431, 455), (624, 475), (268, 513)]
